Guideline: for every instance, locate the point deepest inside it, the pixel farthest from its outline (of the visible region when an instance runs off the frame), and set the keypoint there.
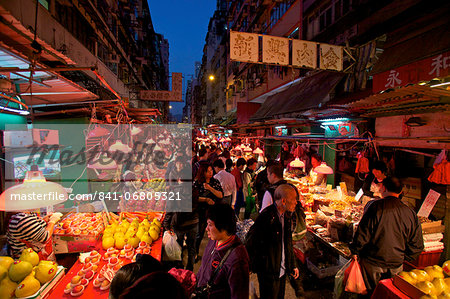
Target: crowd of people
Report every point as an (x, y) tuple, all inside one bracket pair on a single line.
[(388, 233)]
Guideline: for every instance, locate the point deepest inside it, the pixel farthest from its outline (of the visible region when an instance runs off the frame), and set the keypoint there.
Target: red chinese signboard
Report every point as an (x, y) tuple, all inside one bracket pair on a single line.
[(423, 70)]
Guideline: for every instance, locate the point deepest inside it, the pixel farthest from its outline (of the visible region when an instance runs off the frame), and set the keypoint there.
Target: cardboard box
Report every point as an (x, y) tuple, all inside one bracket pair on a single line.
[(407, 288), (71, 244)]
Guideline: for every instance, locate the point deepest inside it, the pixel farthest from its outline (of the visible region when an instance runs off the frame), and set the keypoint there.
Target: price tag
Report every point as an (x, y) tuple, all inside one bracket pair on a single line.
[(339, 191), (329, 187), (428, 204), (109, 274), (359, 195)]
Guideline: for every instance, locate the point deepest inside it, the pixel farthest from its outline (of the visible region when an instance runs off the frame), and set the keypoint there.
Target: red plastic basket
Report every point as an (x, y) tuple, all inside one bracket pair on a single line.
[(426, 259)]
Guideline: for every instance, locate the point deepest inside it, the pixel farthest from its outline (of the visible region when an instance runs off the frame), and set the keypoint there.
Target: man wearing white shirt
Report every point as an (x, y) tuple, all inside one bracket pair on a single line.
[(227, 181), (275, 177)]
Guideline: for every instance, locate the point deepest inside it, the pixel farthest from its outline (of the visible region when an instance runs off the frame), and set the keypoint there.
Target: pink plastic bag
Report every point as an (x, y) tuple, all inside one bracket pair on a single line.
[(354, 279)]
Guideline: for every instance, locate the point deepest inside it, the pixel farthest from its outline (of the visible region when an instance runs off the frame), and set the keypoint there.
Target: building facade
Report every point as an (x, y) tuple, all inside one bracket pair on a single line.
[(109, 50)]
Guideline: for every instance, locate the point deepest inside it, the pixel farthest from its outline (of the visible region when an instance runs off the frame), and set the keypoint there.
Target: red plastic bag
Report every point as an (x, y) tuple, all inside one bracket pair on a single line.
[(354, 282)]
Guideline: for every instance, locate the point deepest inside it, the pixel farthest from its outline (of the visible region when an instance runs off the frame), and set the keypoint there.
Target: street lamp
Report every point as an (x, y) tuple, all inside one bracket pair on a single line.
[(170, 106), (211, 78)]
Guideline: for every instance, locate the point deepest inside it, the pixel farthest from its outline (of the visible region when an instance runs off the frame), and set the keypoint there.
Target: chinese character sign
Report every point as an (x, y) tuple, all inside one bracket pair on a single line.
[(331, 57), (304, 54), (244, 46), (423, 70), (164, 95), (275, 50)]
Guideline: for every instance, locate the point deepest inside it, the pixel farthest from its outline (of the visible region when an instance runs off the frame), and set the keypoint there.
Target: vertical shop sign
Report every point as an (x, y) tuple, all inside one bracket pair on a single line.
[(304, 54), (244, 46), (275, 50)]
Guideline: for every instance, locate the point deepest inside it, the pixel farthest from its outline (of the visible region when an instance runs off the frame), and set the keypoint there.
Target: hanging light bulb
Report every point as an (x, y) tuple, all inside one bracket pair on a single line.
[(248, 149), (323, 169), (258, 151), (297, 163), (135, 130), (119, 146), (34, 193), (150, 141)]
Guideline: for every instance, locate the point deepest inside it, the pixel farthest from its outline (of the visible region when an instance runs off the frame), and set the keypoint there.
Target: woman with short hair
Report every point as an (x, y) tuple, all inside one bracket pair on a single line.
[(232, 279)]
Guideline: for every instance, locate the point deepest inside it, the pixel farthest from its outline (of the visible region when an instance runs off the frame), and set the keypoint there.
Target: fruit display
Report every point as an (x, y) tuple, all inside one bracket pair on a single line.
[(431, 280), (25, 276), (130, 234), (157, 185), (83, 224)]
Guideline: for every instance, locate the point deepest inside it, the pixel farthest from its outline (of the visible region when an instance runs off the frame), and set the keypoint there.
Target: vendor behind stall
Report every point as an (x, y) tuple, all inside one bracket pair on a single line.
[(317, 178), (26, 229), (373, 182)]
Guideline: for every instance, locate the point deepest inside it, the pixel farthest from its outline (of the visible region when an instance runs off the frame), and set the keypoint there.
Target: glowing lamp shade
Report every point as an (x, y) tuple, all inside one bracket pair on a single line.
[(242, 146), (214, 141), (258, 151), (34, 193), (157, 148), (248, 149), (135, 130), (297, 163), (98, 132), (118, 146), (228, 139), (323, 169), (102, 162), (150, 141), (221, 140)]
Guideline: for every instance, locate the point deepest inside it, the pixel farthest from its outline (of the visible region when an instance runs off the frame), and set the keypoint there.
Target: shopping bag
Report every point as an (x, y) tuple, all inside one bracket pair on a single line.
[(339, 280), (171, 247), (355, 282), (250, 201)]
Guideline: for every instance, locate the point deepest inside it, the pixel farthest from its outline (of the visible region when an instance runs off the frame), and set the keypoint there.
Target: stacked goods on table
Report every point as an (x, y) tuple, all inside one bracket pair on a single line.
[(28, 276), (75, 224), (132, 229), (432, 234), (78, 232), (96, 271), (148, 197), (431, 282)]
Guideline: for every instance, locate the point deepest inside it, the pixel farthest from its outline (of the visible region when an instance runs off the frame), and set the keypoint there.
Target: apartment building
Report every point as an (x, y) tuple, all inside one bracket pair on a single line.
[(103, 52)]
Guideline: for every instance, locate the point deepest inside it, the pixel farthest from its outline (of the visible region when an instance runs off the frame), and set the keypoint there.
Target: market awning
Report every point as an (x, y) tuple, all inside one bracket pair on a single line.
[(403, 100), (311, 92), (425, 45), (44, 87)]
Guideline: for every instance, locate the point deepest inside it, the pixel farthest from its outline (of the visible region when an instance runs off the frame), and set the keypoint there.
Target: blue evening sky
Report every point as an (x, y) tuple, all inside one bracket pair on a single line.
[(185, 24)]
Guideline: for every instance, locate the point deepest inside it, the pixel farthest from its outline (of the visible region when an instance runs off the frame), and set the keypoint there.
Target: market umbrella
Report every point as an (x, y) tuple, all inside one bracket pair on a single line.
[(34, 193)]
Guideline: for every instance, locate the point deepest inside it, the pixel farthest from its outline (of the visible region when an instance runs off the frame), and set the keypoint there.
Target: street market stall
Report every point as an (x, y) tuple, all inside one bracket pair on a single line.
[(93, 271)]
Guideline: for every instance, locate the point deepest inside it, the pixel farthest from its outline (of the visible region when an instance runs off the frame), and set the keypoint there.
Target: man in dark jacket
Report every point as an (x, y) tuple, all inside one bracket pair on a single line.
[(388, 233), (269, 244), (275, 178)]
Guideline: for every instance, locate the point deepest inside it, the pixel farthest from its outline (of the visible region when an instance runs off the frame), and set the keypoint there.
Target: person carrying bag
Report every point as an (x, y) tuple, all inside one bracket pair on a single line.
[(203, 292)]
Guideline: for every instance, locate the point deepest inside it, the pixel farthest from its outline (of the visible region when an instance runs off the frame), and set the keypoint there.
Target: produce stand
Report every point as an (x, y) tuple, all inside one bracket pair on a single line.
[(94, 292), (90, 291)]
